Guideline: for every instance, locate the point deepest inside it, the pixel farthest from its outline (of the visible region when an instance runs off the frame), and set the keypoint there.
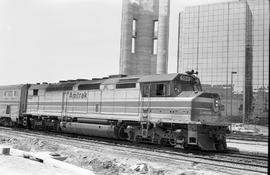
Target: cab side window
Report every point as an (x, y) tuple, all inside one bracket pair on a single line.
[(155, 90), (160, 90), (146, 90)]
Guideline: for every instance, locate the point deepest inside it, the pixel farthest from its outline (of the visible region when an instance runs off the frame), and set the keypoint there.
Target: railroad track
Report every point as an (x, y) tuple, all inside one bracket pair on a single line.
[(248, 137), (245, 142), (228, 161)]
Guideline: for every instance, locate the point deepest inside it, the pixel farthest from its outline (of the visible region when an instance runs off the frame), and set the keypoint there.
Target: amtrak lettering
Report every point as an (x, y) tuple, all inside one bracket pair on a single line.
[(76, 94)]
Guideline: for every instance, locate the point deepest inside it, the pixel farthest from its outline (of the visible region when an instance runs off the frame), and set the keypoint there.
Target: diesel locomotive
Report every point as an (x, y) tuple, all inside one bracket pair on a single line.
[(165, 109)]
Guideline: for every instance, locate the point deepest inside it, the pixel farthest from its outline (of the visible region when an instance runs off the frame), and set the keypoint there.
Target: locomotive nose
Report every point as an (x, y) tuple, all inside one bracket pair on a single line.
[(207, 108)]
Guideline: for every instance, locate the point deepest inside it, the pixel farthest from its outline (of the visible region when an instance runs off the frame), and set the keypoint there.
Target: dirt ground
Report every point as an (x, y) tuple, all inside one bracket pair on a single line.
[(105, 161)]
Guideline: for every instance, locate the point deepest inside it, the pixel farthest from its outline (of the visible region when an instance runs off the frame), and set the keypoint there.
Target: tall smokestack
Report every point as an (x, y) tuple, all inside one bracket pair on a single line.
[(125, 41)]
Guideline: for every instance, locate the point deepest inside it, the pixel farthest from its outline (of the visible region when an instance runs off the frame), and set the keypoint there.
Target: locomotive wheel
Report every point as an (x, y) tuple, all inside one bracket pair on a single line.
[(121, 132), (224, 145)]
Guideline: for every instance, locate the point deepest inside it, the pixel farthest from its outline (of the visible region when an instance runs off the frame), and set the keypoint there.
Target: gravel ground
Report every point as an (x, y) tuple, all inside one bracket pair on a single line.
[(248, 146), (264, 130), (105, 161)]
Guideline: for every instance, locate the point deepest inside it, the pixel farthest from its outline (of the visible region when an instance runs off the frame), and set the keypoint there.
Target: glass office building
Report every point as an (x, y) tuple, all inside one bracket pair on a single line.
[(260, 67), (216, 40)]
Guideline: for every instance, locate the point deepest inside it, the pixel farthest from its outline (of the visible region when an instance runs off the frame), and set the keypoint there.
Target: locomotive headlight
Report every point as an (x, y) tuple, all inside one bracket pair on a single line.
[(216, 105)]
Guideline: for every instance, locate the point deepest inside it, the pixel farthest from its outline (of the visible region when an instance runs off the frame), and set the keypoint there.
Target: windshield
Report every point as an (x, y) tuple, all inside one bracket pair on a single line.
[(185, 86), (197, 84)]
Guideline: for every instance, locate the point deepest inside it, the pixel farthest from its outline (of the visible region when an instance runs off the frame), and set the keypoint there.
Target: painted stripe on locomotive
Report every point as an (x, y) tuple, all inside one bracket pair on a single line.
[(5, 102), (128, 103)]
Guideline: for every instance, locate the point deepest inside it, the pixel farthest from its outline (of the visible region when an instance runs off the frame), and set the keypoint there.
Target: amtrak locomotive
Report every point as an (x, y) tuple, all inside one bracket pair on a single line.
[(161, 109)]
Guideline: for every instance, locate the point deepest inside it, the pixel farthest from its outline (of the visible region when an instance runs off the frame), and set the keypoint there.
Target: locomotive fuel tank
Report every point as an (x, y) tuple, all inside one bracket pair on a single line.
[(92, 121), (96, 130)]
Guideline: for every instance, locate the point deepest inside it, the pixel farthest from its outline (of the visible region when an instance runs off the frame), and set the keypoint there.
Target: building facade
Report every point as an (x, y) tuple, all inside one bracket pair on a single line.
[(216, 40), (144, 37)]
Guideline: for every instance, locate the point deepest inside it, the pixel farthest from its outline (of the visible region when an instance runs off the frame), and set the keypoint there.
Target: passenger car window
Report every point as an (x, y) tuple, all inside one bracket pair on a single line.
[(8, 109), (35, 92)]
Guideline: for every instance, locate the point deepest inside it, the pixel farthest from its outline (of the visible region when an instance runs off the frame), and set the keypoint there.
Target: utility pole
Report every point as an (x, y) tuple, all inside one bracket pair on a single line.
[(232, 89)]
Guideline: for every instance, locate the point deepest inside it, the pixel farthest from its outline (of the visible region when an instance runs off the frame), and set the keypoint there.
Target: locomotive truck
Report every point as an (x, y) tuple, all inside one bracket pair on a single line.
[(161, 109)]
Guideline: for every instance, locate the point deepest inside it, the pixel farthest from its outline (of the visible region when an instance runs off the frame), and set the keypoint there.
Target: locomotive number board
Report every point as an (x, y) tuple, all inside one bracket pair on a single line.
[(185, 78)]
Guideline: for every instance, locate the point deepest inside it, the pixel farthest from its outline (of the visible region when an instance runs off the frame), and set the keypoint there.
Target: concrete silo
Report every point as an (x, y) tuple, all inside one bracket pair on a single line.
[(144, 37)]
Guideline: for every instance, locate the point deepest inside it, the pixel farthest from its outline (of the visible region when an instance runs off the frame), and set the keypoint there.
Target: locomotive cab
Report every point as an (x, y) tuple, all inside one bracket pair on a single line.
[(170, 86), (181, 113)]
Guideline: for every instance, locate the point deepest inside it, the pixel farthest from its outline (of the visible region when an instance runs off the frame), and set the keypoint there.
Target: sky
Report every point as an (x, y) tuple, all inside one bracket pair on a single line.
[(52, 40)]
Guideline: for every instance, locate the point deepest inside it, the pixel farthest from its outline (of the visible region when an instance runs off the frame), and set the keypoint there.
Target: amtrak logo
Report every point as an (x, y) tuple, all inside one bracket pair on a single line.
[(77, 95)]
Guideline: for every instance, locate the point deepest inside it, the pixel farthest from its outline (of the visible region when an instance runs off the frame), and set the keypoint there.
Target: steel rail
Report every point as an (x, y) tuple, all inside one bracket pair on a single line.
[(260, 138)]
